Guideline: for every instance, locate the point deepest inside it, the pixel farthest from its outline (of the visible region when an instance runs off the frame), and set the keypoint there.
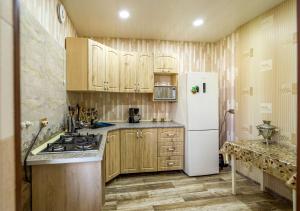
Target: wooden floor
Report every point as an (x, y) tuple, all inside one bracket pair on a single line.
[(176, 191)]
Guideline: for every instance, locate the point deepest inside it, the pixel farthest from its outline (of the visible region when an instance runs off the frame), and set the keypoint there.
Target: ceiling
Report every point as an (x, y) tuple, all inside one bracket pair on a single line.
[(163, 19)]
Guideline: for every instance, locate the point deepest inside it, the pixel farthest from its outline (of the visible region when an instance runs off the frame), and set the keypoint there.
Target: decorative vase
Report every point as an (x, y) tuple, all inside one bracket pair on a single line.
[(266, 130)]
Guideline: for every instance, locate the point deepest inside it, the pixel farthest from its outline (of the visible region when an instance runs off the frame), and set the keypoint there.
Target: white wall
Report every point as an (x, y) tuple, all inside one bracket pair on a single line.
[(7, 165)]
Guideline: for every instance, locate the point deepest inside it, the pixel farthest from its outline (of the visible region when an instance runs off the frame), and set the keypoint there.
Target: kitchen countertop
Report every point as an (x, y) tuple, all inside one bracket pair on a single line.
[(93, 156)]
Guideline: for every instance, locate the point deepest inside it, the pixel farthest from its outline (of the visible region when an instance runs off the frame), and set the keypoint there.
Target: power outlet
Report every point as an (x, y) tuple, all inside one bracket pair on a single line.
[(44, 122)]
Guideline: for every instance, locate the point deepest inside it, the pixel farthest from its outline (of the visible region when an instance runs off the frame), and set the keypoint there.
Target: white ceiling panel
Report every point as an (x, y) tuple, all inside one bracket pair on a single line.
[(164, 19)]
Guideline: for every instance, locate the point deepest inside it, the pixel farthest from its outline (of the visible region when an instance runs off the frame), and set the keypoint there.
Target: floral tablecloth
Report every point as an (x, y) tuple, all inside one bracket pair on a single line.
[(274, 159)]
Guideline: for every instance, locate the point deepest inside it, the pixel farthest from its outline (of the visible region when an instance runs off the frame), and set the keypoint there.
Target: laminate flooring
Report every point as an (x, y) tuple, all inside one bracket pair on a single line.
[(177, 191)]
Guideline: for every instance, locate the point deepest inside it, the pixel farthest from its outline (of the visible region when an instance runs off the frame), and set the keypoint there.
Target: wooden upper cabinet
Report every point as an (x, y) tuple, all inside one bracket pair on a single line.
[(96, 66), (92, 66), (112, 155), (148, 150), (112, 70), (136, 72), (129, 151), (145, 73), (85, 64), (164, 63), (128, 71), (77, 64)]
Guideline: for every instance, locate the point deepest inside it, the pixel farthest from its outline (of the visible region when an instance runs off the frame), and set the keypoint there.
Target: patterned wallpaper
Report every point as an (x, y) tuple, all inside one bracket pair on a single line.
[(44, 11), (267, 83), (226, 65)]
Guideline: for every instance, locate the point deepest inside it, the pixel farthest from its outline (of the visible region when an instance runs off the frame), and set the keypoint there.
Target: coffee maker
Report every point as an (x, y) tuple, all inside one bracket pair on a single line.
[(134, 116)]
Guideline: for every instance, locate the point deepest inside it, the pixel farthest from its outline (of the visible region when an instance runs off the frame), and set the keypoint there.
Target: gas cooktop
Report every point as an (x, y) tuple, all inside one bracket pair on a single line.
[(74, 142)]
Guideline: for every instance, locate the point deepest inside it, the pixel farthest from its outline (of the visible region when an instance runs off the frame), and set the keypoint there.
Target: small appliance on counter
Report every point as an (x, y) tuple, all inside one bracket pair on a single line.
[(134, 116)]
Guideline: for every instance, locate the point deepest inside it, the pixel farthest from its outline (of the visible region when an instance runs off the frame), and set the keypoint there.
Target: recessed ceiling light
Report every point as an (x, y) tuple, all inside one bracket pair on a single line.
[(124, 14), (198, 22)]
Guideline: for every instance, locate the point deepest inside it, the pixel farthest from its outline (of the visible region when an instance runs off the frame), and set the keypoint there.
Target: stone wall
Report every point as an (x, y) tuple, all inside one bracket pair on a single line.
[(43, 90)]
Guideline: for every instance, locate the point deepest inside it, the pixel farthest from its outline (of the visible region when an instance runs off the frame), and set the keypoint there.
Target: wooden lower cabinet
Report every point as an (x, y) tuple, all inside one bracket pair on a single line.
[(168, 163), (148, 150), (174, 134), (144, 150), (171, 149), (68, 187), (138, 150), (112, 155), (129, 151)]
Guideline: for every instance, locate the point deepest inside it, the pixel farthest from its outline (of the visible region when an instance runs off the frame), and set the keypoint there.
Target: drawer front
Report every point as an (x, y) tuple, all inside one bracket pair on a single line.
[(170, 133), (170, 163), (170, 148)]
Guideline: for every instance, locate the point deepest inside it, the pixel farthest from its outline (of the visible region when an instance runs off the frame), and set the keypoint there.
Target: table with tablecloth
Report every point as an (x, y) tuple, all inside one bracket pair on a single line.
[(275, 159)]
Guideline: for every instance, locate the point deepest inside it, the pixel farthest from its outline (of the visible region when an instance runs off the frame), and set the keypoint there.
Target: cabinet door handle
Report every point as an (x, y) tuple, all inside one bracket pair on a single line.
[(137, 133), (170, 163), (171, 149), (141, 134), (171, 134)]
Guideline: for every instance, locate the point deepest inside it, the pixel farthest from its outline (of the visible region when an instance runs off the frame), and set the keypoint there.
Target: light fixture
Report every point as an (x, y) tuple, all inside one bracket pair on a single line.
[(124, 14), (198, 22)]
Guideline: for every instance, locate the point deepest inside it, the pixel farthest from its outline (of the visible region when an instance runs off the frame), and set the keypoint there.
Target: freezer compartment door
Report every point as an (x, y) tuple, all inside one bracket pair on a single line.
[(203, 106), (202, 153)]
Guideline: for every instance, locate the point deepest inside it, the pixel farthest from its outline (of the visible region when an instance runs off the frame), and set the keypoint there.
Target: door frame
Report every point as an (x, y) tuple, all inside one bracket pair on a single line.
[(17, 104), (298, 103)]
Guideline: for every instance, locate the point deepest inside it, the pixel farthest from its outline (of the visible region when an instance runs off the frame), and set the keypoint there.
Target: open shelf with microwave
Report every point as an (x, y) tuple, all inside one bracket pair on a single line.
[(165, 87)]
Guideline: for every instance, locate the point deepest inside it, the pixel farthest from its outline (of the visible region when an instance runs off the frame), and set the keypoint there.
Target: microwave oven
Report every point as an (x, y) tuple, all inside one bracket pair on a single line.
[(165, 93)]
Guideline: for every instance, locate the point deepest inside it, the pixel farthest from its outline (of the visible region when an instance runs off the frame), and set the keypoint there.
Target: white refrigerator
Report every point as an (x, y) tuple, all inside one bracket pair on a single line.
[(198, 109)]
